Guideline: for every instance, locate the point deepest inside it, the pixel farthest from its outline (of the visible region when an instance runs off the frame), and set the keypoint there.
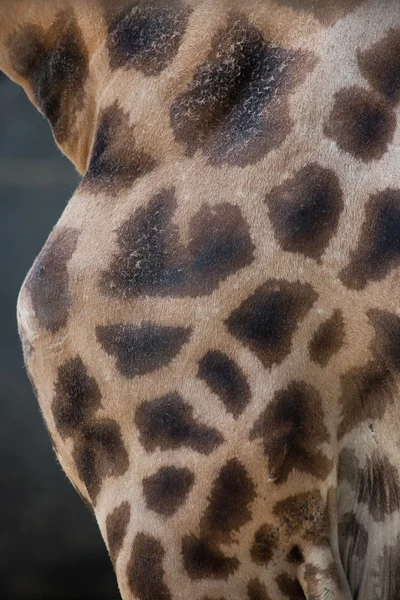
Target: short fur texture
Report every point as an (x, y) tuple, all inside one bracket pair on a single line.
[(213, 327)]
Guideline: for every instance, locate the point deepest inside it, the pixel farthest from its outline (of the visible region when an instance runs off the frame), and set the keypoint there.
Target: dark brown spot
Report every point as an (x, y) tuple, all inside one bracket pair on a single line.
[(292, 427), (152, 261), (264, 545), (290, 588), (202, 560), (366, 393), (386, 346), (352, 535), (257, 590), (226, 380), (305, 515), (361, 123), (267, 320), (116, 162), (168, 423), (229, 504), (145, 570), (144, 348), (147, 37), (326, 11), (48, 281), (305, 210), (236, 108), (328, 339), (166, 491), (295, 556), (99, 452), (380, 65), (378, 252), (228, 510), (56, 64), (77, 398), (116, 525)]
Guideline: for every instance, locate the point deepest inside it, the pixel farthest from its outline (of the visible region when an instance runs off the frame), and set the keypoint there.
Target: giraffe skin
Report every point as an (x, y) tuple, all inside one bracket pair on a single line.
[(213, 327)]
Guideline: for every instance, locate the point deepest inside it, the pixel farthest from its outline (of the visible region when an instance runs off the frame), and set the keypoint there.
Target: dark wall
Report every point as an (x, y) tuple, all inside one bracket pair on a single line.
[(50, 547)]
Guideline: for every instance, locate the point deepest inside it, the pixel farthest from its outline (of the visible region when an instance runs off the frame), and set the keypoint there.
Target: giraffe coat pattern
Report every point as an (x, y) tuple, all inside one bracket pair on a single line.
[(213, 327)]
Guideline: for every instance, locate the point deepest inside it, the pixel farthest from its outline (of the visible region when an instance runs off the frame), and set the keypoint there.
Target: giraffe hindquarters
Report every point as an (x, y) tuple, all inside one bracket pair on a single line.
[(321, 576), (371, 556), (369, 516)]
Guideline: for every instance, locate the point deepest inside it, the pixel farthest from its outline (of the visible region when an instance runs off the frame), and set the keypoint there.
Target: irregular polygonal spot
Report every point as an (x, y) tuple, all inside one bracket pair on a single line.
[(305, 210), (148, 36), (77, 397), (366, 393), (362, 123), (378, 251), (153, 262), (292, 427), (326, 11), (145, 570), (305, 515), (257, 590), (380, 65), (328, 339), (168, 423), (116, 526), (226, 380), (264, 545), (386, 346), (99, 452), (266, 321), (166, 491), (203, 560), (55, 62), (290, 588), (228, 510), (48, 281), (351, 529), (236, 108), (295, 556), (144, 348), (116, 162), (229, 503)]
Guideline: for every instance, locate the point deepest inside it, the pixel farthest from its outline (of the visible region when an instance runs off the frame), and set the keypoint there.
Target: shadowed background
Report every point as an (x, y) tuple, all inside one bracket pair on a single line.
[(50, 547)]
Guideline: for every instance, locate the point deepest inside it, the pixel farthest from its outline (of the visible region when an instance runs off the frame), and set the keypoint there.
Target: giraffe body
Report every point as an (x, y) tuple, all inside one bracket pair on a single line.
[(213, 326)]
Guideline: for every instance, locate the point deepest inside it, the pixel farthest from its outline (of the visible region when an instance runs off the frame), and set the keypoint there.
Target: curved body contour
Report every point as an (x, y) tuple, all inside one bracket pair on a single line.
[(213, 327)]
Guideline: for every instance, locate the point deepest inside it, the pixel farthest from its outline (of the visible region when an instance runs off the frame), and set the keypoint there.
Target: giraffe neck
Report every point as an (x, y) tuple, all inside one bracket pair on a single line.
[(55, 54), (217, 310), (72, 58)]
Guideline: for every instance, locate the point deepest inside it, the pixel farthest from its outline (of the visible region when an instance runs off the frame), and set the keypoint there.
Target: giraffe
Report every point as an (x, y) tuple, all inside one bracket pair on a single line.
[(213, 327)]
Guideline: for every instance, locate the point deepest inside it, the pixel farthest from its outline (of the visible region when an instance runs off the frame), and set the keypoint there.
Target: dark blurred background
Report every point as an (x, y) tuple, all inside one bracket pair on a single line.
[(50, 547)]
